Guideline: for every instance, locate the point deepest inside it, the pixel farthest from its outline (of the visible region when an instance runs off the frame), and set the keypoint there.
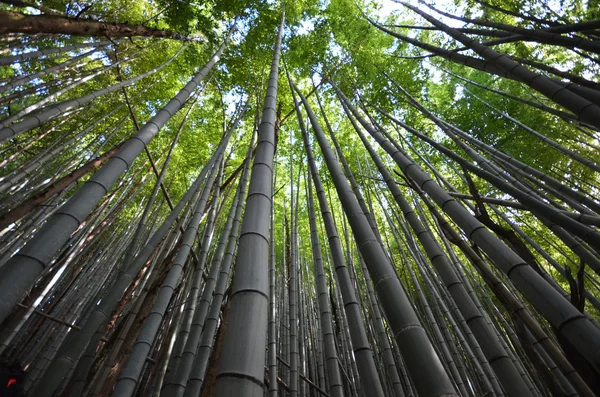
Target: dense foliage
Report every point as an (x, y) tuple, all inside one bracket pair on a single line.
[(447, 106)]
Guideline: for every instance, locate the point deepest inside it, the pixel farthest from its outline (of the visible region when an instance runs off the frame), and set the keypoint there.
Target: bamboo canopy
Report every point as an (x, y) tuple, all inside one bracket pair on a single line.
[(309, 198)]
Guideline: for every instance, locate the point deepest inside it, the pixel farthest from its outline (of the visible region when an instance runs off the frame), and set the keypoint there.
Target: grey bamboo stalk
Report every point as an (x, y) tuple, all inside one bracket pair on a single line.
[(243, 356), (189, 319), (281, 348), (584, 94), (353, 368), (132, 369), (523, 189), (301, 308), (315, 346), (22, 80), (406, 328), (498, 358), (451, 130), (196, 378), (65, 88), (35, 90), (559, 312), (512, 303), (53, 111), (480, 355), (80, 373), (141, 225), (17, 154), (575, 199), (8, 339), (508, 336), (466, 339), (544, 138), (419, 260), (573, 242), (550, 216), (163, 365), (146, 291), (435, 327), (272, 331), (12, 42), (360, 345), (79, 381), (378, 331), (331, 357), (163, 250), (494, 175), (515, 227), (25, 229), (182, 367), (388, 361), (36, 54), (13, 22), (30, 225), (563, 115), (580, 106), (382, 337), (79, 341), (293, 288), (110, 361), (125, 240), (376, 311), (23, 268), (544, 255), (577, 196), (554, 370), (37, 162), (549, 35), (20, 190), (442, 334), (95, 223), (284, 324)]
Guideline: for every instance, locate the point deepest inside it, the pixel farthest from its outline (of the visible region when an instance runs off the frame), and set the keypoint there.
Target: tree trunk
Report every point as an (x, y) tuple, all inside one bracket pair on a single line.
[(15, 22), (27, 206), (241, 371)]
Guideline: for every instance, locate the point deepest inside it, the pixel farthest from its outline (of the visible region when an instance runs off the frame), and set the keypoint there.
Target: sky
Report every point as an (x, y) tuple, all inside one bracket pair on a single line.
[(389, 6)]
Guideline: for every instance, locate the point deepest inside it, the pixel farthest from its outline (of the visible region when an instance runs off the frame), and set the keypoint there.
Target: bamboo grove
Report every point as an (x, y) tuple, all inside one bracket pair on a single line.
[(313, 198)]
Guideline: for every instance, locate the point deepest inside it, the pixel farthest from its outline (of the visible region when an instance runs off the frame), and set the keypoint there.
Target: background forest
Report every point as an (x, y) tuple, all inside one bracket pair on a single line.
[(302, 198)]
